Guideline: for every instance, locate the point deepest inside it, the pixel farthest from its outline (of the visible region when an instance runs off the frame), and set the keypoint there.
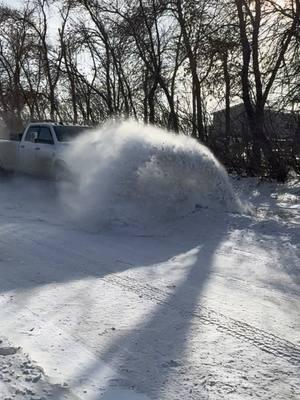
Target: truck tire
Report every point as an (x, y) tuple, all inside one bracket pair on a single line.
[(3, 172)]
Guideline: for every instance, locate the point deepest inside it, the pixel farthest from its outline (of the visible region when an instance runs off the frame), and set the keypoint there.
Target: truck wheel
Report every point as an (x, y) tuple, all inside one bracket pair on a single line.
[(3, 172)]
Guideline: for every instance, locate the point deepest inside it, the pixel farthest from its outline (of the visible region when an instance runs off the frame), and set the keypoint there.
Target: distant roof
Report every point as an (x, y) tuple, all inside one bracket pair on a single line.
[(241, 107)]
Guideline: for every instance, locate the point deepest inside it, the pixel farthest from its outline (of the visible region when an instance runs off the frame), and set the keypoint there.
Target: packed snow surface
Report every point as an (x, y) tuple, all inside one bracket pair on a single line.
[(201, 307), (129, 172)]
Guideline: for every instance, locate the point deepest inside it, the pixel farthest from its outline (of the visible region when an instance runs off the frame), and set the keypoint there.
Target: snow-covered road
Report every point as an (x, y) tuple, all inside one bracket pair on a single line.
[(205, 307)]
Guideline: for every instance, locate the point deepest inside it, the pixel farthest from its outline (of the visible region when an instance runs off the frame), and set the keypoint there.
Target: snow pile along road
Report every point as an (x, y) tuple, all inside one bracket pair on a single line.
[(23, 379), (128, 172)]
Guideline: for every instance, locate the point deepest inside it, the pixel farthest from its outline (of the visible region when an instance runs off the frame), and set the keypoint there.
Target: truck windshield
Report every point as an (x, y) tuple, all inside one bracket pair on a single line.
[(68, 132)]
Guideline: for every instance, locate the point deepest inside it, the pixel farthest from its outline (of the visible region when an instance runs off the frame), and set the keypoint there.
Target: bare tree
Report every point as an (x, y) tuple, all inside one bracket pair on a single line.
[(260, 80)]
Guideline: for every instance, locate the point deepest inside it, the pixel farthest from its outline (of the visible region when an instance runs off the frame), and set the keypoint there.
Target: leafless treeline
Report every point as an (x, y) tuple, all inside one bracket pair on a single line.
[(168, 62)]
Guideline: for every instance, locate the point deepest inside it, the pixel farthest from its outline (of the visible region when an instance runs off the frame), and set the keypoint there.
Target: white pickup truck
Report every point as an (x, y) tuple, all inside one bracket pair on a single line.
[(40, 150)]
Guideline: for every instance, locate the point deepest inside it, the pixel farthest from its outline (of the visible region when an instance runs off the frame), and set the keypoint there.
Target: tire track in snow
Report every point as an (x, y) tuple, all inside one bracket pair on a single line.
[(265, 341), (261, 339)]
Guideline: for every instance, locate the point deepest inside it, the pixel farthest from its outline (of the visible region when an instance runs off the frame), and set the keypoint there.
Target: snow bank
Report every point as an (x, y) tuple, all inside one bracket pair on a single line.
[(129, 172)]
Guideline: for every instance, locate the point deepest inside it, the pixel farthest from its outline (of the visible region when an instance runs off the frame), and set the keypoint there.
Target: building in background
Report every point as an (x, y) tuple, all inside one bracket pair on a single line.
[(279, 126), (282, 129)]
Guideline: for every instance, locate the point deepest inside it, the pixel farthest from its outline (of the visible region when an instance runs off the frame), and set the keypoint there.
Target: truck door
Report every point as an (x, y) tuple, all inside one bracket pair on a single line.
[(27, 150), (44, 151)]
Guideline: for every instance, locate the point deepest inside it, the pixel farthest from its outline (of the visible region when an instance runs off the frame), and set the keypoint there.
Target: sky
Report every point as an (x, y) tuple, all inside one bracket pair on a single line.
[(52, 16), (13, 2)]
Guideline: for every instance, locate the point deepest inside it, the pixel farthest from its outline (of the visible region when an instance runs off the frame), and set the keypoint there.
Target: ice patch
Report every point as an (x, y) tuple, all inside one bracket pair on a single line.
[(130, 173)]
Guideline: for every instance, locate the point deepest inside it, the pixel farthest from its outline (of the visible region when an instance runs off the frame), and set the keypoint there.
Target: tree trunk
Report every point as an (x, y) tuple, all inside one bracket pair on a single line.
[(151, 103), (262, 143), (197, 100), (227, 100), (145, 101)]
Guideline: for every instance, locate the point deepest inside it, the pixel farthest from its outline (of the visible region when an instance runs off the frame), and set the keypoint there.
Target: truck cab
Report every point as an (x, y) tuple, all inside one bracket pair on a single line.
[(37, 150), (42, 145), (40, 150)]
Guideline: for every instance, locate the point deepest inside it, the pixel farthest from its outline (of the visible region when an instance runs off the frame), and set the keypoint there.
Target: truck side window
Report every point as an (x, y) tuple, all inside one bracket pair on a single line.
[(29, 133), (45, 136)]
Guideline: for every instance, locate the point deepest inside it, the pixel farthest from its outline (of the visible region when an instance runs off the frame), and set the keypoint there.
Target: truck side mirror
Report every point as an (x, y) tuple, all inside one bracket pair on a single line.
[(34, 136)]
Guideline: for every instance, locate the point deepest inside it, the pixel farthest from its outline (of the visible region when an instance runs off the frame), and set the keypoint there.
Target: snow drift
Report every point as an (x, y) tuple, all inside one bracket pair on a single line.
[(128, 172)]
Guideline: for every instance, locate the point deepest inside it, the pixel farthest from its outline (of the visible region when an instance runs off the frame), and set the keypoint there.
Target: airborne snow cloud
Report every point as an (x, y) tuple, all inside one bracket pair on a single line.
[(129, 172)]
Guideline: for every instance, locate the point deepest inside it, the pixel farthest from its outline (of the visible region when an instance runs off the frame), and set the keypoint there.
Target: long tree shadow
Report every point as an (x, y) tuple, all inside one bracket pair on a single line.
[(146, 356), (152, 354)]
